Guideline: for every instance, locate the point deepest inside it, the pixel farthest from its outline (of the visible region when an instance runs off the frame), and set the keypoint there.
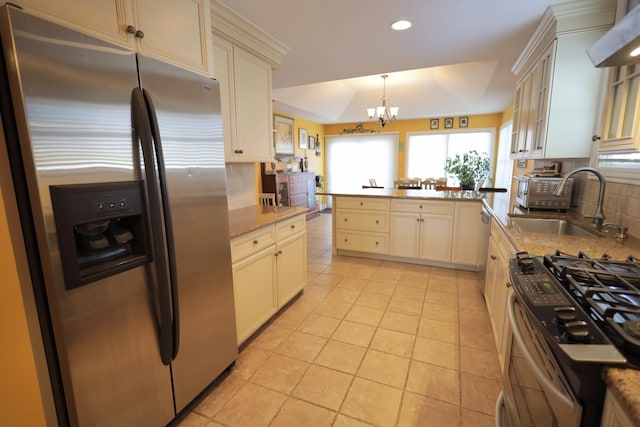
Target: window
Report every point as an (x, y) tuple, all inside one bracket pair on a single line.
[(427, 152), (352, 160)]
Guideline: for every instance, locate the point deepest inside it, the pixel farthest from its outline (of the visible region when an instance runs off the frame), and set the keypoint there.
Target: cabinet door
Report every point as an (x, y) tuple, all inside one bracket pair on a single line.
[(179, 31), (223, 72), (621, 127), (520, 147), (404, 234), (491, 277), (255, 292), (500, 315), (292, 267), (436, 233), (96, 17), (470, 235), (252, 88), (541, 79)]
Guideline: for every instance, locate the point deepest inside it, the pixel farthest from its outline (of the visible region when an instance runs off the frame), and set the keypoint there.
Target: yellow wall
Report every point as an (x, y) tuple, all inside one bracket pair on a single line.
[(316, 163), (20, 394), (419, 125)]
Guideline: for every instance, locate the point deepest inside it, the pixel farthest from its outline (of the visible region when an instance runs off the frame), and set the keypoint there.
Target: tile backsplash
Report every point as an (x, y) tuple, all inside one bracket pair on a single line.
[(241, 186), (621, 204), (621, 201)]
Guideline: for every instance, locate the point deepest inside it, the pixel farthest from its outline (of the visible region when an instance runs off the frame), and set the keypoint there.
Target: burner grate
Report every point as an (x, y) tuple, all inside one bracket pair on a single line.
[(608, 289)]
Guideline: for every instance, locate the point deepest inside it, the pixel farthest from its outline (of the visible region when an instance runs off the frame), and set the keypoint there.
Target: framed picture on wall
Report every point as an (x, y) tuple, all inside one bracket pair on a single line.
[(302, 139), (312, 142), (463, 122), (448, 122), (435, 123), (284, 134)]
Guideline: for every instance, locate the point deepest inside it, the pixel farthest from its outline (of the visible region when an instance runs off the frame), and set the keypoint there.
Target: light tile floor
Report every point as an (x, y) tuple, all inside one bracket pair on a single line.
[(368, 343)]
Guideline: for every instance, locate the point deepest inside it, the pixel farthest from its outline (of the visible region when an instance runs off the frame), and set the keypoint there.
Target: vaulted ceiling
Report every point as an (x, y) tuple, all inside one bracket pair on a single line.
[(456, 59)]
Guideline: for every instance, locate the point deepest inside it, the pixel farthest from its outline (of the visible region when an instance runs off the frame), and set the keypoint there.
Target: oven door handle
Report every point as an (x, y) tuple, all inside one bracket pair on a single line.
[(556, 396)]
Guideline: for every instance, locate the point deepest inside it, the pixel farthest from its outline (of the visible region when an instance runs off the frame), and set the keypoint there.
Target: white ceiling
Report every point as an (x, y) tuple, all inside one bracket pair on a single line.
[(455, 60)]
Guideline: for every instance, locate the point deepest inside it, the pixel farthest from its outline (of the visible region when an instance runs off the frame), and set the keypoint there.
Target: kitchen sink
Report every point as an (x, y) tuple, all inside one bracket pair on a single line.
[(550, 226)]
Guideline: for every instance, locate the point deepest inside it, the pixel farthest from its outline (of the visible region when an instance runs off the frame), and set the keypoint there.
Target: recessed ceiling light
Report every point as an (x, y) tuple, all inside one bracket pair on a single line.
[(401, 25)]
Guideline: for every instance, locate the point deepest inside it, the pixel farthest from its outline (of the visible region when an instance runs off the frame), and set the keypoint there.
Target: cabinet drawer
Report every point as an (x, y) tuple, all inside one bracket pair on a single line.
[(367, 203), (302, 178), (297, 188), (362, 242), (422, 206), (298, 200), (362, 220), (290, 227), (250, 243)]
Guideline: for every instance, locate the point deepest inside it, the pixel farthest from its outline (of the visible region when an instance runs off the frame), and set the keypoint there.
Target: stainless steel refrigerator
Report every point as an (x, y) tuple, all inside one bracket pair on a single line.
[(117, 163)]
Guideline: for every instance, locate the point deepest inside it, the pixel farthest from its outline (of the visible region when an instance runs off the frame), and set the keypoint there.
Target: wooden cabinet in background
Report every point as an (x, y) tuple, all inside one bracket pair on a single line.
[(176, 31), (291, 189)]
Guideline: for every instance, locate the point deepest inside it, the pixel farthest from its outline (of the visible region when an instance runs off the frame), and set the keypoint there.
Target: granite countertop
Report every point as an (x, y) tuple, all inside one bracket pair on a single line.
[(624, 383), (245, 220), (393, 193)]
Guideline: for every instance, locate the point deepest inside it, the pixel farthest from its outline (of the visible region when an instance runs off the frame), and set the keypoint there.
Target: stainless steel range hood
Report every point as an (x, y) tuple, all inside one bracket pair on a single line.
[(615, 47)]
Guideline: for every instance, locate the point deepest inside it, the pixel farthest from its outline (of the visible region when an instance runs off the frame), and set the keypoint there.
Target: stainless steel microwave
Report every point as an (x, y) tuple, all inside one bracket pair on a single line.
[(537, 192)]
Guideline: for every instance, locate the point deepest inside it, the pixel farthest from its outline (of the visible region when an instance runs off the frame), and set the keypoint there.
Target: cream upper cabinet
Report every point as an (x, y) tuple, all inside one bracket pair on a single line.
[(176, 31), (557, 85), (245, 92), (621, 130), (244, 58)]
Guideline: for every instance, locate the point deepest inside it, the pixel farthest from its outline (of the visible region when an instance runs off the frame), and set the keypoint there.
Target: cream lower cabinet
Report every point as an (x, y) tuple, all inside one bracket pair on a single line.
[(362, 224), (177, 31), (613, 414), (470, 235), (269, 269), (497, 288), (421, 229)]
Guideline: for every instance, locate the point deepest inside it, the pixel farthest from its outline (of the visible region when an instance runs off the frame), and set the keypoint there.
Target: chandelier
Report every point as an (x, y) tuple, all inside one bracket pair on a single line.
[(383, 113)]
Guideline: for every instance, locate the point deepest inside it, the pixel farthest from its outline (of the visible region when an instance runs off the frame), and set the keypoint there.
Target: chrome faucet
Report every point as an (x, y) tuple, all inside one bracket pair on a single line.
[(598, 216)]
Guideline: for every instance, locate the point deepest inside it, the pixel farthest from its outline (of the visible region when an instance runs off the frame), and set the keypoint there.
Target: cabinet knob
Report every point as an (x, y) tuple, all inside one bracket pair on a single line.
[(346, 240), (595, 138), (293, 227), (377, 243), (420, 206), (139, 34), (493, 258), (361, 203), (131, 29), (377, 221), (508, 284), (238, 151), (255, 242), (345, 220)]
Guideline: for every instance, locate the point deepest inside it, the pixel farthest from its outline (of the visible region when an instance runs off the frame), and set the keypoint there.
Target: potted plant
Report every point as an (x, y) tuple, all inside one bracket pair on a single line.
[(469, 168)]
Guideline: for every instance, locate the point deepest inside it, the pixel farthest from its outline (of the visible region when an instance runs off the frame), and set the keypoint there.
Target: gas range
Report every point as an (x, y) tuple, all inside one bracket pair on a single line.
[(573, 335), (608, 290)]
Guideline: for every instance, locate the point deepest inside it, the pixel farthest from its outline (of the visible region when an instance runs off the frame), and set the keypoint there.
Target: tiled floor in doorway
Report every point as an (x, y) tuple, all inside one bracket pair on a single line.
[(367, 343)]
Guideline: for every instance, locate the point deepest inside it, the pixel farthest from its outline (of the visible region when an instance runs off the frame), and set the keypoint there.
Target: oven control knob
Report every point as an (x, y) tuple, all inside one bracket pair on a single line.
[(565, 314), (578, 330)]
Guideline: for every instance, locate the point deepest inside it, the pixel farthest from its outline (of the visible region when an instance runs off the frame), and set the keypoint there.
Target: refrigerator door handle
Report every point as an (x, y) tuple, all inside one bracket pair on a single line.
[(142, 128), (157, 144)]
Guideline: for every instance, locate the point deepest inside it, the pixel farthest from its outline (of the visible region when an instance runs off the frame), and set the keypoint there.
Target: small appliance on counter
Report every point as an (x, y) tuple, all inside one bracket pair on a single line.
[(535, 191)]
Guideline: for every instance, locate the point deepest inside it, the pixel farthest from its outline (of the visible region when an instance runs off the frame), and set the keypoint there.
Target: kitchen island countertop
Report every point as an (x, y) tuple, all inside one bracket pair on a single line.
[(247, 219), (393, 193)]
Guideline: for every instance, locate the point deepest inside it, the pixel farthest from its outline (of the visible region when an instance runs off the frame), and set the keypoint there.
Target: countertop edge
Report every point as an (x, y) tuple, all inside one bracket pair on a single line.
[(625, 385), (251, 218)]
